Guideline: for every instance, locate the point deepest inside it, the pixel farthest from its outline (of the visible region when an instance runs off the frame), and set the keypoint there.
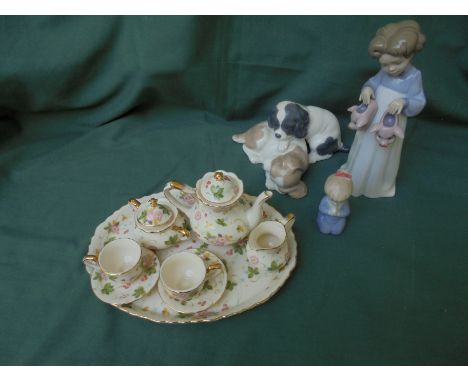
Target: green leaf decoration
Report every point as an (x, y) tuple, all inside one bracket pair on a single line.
[(107, 289), (202, 248), (113, 278), (151, 270), (217, 191), (239, 247), (209, 236), (97, 276), (207, 285), (109, 240), (186, 225), (164, 209), (184, 315), (142, 216), (172, 240), (230, 285), (108, 227), (274, 266), (138, 292), (221, 222), (252, 272)]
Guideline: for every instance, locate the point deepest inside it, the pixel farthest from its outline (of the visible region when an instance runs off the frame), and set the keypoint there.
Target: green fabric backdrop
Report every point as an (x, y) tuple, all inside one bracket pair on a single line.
[(94, 110)]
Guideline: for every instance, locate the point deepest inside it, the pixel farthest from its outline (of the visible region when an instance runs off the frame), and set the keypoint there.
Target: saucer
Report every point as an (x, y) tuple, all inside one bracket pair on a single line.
[(213, 288), (112, 292)]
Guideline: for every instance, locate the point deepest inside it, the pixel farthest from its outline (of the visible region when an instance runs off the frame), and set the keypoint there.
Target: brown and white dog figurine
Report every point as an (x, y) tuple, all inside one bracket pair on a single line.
[(293, 136), (284, 161)]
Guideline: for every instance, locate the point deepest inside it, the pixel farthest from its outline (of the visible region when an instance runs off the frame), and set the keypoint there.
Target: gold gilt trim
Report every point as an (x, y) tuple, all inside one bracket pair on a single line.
[(293, 260), (203, 320), (221, 264)]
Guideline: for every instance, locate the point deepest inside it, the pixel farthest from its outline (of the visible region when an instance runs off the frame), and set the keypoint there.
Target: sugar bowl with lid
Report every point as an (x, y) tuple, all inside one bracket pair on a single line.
[(158, 223)]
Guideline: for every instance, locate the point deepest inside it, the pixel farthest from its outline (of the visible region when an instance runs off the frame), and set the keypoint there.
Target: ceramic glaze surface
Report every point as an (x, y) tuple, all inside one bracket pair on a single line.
[(159, 224), (218, 225), (210, 292), (220, 187), (158, 215), (249, 282), (183, 272), (165, 238), (113, 290), (119, 256)]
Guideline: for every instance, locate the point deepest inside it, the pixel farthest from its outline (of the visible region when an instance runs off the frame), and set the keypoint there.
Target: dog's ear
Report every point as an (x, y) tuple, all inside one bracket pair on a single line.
[(302, 124), (273, 119), (296, 121)]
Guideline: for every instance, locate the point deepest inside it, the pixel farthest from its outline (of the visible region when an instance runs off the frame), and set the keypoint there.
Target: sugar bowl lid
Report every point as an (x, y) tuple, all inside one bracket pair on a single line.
[(220, 188), (154, 213)]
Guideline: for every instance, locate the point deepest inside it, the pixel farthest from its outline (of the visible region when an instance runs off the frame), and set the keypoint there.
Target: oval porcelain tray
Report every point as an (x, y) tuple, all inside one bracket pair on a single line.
[(247, 287)]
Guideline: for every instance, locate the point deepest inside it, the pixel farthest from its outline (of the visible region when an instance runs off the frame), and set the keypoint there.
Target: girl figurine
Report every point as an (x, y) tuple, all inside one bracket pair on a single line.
[(334, 207), (397, 88)]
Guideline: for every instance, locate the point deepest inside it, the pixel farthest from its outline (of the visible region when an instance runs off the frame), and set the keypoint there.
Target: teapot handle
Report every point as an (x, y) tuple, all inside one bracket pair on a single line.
[(175, 185)]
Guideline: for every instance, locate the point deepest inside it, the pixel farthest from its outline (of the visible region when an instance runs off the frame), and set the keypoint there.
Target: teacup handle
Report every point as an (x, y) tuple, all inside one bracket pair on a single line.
[(288, 221), (175, 185), (183, 231), (91, 260), (214, 266)]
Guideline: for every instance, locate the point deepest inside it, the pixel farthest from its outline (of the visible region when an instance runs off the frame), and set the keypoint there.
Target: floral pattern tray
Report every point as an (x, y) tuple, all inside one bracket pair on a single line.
[(248, 285)]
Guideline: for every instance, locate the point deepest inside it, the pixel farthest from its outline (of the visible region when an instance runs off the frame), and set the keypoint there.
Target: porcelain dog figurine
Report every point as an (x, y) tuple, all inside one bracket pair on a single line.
[(293, 136), (284, 161)]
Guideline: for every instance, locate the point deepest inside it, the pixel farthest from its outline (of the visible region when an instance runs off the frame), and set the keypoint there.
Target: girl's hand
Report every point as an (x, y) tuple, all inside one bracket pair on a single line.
[(396, 106), (366, 94)]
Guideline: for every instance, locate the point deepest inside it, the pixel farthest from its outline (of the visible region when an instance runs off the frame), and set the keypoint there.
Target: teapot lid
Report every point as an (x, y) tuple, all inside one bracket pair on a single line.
[(220, 188), (155, 213)]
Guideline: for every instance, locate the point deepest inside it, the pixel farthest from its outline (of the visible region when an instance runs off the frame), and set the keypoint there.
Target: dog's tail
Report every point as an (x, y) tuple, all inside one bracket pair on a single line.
[(239, 138)]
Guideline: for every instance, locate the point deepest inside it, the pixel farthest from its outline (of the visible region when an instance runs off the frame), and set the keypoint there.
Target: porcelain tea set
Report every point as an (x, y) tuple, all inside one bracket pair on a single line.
[(216, 213)]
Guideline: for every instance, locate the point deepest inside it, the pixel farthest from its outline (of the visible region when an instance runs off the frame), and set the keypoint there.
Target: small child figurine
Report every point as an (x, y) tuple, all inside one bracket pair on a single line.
[(334, 207)]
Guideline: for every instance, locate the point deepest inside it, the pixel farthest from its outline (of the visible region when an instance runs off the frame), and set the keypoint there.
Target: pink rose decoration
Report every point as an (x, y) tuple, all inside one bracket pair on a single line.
[(253, 260), (154, 216)]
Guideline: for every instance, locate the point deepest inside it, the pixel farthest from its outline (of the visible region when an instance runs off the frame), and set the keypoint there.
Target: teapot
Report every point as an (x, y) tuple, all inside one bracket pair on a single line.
[(218, 211), (158, 223)]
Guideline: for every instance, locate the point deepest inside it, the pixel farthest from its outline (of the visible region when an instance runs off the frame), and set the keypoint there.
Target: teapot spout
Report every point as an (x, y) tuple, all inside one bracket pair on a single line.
[(254, 214)]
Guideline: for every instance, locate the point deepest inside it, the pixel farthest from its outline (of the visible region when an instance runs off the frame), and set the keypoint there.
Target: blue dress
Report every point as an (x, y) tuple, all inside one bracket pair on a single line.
[(331, 217), (374, 169)]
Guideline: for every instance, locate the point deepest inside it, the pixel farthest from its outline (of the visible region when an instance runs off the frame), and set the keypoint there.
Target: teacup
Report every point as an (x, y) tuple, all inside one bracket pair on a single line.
[(267, 244), (119, 260), (183, 274)]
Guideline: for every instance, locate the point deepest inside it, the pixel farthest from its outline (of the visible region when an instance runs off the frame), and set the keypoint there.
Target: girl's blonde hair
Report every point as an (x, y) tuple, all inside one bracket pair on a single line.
[(339, 186), (397, 39)]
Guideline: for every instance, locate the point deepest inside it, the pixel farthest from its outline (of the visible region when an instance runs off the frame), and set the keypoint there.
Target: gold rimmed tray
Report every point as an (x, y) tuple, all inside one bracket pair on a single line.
[(248, 284)]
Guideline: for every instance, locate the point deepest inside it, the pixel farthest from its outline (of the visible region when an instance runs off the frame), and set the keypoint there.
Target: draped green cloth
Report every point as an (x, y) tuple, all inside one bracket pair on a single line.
[(94, 110)]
